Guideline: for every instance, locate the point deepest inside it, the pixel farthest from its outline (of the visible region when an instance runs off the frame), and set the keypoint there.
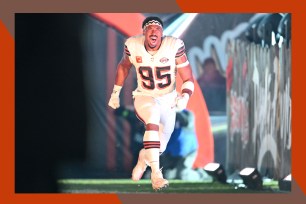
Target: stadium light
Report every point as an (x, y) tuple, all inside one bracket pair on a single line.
[(285, 183), (251, 178), (180, 25), (216, 170)]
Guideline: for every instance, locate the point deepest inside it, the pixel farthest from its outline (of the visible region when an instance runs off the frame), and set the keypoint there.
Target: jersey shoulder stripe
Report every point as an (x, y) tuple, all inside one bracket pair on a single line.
[(180, 51), (126, 51)]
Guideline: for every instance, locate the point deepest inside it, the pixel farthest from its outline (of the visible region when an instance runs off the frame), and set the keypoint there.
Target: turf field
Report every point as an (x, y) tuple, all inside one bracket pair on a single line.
[(144, 186)]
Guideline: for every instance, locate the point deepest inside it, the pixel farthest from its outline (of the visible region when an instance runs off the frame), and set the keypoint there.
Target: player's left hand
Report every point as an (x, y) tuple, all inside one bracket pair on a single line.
[(182, 101)]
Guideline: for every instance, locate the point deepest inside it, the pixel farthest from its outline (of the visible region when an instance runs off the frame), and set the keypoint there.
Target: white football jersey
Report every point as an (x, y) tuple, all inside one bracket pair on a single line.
[(156, 73)]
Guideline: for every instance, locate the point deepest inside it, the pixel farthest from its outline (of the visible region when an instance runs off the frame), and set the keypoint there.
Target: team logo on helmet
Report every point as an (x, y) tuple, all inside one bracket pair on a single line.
[(164, 60)]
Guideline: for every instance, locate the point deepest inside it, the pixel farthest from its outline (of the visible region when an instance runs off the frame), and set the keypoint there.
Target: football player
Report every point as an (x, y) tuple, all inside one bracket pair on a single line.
[(157, 60)]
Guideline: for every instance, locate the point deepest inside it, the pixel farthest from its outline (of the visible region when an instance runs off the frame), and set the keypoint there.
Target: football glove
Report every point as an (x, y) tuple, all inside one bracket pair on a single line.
[(182, 101), (114, 101)]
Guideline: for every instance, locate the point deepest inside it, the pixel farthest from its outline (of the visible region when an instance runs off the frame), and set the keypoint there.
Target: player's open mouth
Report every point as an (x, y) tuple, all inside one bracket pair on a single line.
[(153, 38)]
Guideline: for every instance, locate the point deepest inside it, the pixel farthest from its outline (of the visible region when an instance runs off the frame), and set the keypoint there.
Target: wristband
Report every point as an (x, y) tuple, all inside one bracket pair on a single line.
[(188, 87), (117, 89)]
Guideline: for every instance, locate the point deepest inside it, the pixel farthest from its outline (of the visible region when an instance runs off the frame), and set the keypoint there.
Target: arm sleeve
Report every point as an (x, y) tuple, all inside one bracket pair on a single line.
[(181, 48)]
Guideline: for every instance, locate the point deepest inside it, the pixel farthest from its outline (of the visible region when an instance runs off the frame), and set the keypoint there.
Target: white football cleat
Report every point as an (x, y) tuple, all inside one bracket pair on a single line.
[(158, 181), (140, 167)]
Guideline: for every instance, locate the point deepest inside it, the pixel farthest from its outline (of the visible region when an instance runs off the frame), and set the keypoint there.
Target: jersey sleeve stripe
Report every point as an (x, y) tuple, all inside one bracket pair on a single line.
[(126, 51), (180, 51)]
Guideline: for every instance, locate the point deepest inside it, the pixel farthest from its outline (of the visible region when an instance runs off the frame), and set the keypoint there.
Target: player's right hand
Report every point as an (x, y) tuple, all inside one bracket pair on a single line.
[(114, 101)]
